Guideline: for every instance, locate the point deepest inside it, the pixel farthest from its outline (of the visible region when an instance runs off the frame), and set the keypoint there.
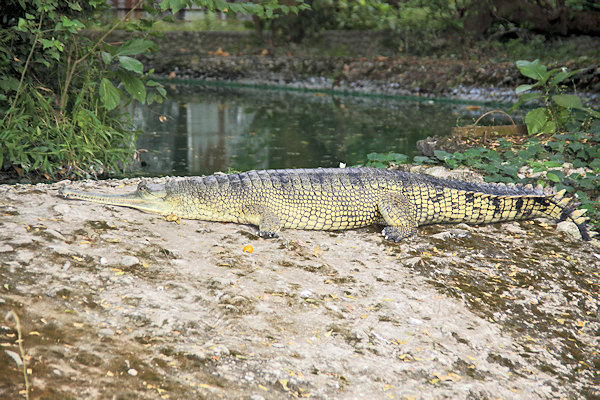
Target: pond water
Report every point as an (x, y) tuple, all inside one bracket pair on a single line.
[(200, 129)]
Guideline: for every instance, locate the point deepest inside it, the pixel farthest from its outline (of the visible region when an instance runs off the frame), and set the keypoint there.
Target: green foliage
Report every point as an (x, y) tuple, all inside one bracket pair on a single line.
[(380, 160), (413, 25), (265, 8), (558, 108), (62, 91)]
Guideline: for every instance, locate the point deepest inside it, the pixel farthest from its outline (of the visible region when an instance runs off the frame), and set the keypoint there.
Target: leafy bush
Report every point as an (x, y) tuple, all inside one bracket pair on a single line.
[(58, 97), (63, 92), (557, 113)]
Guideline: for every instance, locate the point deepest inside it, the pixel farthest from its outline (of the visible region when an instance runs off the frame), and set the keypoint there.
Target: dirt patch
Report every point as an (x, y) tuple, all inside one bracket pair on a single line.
[(115, 303)]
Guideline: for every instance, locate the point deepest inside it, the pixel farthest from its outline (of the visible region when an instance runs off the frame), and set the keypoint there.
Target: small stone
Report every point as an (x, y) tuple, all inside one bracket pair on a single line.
[(305, 294), (132, 371), (21, 241), (220, 350), (103, 261), (106, 332), (415, 321), (129, 261), (25, 256), (570, 229), (5, 248), (61, 250), (55, 234), (442, 235), (62, 209)]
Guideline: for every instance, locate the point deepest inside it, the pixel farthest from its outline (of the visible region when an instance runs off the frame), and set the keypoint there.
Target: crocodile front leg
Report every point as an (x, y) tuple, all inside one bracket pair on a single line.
[(267, 221), (400, 216)]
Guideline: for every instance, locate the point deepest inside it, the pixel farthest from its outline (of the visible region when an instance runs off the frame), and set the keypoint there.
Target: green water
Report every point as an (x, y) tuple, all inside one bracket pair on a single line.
[(209, 128)]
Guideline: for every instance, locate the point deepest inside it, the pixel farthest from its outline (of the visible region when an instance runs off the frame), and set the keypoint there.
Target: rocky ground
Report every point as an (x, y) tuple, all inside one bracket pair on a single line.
[(359, 61), (116, 303)]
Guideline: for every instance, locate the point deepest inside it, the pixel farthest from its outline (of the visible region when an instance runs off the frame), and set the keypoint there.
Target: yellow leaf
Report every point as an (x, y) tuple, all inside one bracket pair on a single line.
[(248, 248), (145, 264), (172, 218), (317, 251)]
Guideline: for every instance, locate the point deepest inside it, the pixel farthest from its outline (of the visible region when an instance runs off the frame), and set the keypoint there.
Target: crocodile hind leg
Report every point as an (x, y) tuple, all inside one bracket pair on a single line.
[(399, 215), (267, 221)]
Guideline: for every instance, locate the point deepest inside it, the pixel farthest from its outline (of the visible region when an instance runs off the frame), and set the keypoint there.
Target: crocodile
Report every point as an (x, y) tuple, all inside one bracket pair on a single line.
[(340, 199)]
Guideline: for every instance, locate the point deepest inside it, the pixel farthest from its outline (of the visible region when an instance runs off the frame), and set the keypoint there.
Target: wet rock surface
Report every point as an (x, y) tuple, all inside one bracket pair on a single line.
[(116, 303)]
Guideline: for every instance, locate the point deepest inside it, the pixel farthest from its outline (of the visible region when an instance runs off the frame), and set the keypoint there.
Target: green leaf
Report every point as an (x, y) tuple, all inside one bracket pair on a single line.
[(549, 126), (536, 120), (552, 164), (173, 5), (106, 57), (441, 155), (134, 46), (110, 96), (593, 112), (567, 100), (221, 5), (134, 86), (533, 69), (131, 64), (523, 88), (552, 177), (563, 75)]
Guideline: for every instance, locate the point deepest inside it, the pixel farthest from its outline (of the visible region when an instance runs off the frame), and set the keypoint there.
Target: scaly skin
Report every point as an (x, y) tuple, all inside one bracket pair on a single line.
[(339, 199)]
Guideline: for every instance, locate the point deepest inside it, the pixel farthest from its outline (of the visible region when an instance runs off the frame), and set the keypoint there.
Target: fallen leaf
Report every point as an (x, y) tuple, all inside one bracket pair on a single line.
[(317, 251), (248, 248), (172, 218)]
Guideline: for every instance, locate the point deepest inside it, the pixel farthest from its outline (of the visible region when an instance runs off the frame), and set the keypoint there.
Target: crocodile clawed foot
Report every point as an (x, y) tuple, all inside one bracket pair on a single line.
[(267, 235), (397, 234)]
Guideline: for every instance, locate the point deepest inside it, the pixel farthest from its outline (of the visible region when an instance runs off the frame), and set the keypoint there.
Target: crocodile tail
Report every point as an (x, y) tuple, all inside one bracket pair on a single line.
[(566, 209)]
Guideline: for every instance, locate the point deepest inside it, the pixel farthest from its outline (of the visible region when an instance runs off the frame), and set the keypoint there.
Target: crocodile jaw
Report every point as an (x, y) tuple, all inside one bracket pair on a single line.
[(152, 201)]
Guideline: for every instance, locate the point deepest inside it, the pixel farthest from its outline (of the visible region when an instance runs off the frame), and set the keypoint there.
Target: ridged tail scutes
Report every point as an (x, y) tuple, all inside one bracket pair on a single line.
[(569, 211)]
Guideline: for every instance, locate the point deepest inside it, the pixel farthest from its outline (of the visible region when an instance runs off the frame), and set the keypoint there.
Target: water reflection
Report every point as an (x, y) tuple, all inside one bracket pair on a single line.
[(208, 129)]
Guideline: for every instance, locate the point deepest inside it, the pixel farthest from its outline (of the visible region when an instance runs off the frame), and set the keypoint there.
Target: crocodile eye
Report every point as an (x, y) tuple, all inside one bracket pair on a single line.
[(143, 187)]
